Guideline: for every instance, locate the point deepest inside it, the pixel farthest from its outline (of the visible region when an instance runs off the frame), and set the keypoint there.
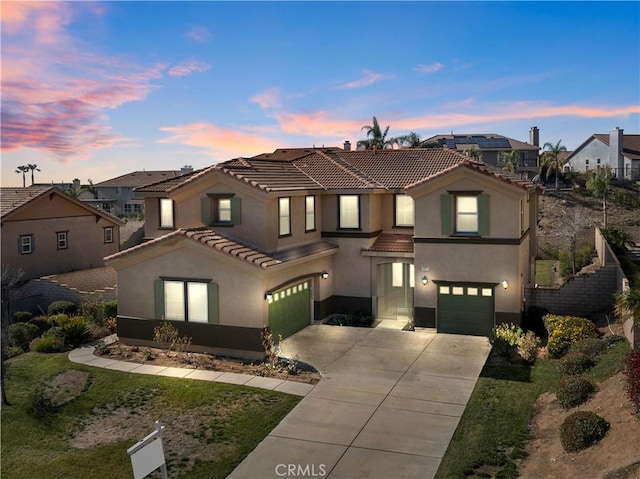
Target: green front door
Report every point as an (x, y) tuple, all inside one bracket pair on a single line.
[(290, 309), (465, 309)]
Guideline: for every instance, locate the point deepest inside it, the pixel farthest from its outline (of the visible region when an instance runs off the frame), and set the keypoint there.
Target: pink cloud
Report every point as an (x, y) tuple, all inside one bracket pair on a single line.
[(223, 142), (267, 99), (188, 68), (368, 78), (427, 69), (198, 34)]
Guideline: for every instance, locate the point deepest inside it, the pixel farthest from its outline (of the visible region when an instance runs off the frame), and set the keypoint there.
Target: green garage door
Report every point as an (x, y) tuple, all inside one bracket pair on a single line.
[(290, 309), (465, 309)]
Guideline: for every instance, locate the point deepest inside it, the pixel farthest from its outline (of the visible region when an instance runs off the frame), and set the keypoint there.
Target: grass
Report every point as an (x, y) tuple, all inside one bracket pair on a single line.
[(544, 272), (494, 428), (232, 419)]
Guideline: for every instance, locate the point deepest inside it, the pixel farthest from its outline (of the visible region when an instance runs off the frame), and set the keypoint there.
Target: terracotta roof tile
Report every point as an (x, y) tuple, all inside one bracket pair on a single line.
[(166, 186), (138, 178), (269, 175), (393, 243)]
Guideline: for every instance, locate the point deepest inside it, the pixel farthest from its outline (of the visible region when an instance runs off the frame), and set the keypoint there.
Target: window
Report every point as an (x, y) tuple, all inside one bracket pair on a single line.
[(349, 211), (224, 210), (26, 244), (310, 213), (466, 214), (108, 234), (404, 210), (403, 274), (284, 216), (128, 208), (187, 300), (62, 239), (166, 213)]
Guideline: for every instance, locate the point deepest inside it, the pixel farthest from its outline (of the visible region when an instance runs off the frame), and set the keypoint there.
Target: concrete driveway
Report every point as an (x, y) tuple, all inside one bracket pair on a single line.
[(387, 405)]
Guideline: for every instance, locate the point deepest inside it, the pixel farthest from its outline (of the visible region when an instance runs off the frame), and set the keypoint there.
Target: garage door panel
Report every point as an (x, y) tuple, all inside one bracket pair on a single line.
[(465, 309), (290, 310)]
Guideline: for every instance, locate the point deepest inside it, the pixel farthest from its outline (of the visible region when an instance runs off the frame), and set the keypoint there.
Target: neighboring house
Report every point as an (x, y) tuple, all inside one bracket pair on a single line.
[(46, 231), (492, 145), (116, 195), (616, 150), (418, 234)]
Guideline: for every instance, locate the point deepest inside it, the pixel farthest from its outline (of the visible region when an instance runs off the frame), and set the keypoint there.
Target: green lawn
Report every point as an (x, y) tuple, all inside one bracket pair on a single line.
[(230, 420), (544, 272), (494, 427)]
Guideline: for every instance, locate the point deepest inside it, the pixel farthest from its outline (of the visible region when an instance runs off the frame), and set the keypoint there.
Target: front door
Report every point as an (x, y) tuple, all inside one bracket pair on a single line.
[(395, 290)]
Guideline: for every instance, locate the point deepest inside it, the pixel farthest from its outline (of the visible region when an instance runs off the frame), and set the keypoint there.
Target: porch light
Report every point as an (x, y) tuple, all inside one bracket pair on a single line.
[(268, 295), (324, 275), (425, 280), (505, 284)]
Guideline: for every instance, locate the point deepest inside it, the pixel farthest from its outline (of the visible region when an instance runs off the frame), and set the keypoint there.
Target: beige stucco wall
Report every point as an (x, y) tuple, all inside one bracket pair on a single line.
[(352, 270)]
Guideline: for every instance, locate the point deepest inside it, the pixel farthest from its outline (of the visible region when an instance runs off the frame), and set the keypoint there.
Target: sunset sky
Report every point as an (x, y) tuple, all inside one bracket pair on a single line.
[(99, 89)]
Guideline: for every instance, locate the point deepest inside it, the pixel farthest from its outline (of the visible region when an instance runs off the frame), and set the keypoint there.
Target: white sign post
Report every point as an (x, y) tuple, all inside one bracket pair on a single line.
[(147, 454)]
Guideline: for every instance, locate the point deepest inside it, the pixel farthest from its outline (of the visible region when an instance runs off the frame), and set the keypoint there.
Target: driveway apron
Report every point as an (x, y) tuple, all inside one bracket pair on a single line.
[(387, 405)]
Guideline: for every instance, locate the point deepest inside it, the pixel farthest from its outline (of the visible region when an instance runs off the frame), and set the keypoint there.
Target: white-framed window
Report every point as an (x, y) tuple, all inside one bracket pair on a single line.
[(166, 213), (62, 240), (403, 274), (404, 210), (349, 211), (310, 213), (284, 216), (466, 214), (224, 210), (186, 301), (108, 234), (26, 244)]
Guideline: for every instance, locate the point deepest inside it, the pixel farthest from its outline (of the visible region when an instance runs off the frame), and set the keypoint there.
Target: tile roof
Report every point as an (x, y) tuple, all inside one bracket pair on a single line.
[(630, 144), (138, 178), (269, 175), (12, 199), (392, 243), (232, 247), (168, 185), (290, 154)]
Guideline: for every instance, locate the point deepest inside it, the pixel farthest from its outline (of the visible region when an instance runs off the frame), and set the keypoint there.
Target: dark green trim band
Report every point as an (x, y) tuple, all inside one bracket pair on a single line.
[(347, 234), (456, 239)]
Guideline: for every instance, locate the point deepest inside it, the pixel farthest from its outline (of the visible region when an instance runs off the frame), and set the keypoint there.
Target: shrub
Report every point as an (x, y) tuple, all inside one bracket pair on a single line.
[(528, 347), (574, 391), (566, 330), (582, 429), (583, 257), (21, 334), (22, 316), (58, 319), (505, 338), (41, 403), (592, 347), (75, 331), (575, 364), (613, 339), (42, 322), (47, 344), (65, 307), (110, 309), (632, 376), (13, 351)]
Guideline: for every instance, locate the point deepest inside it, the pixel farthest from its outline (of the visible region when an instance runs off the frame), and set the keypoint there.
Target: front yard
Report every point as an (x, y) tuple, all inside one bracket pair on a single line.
[(210, 427)]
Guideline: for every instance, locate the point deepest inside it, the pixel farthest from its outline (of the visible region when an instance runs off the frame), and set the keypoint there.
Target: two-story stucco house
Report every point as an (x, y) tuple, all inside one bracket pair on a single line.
[(293, 237), (46, 231)]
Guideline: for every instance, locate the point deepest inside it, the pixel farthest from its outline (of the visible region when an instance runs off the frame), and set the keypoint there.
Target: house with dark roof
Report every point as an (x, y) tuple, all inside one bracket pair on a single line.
[(614, 150), (46, 231), (428, 237), (116, 195), (490, 146)]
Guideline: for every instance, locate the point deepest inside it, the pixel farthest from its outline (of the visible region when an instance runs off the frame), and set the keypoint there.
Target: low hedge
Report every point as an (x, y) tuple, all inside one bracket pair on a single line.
[(592, 347), (581, 430), (574, 391), (574, 364), (21, 334), (565, 331), (62, 307)]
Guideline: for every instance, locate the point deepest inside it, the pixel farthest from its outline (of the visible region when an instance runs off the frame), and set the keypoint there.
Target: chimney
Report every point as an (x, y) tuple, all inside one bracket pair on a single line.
[(76, 184), (186, 169), (347, 145), (534, 136), (616, 159)]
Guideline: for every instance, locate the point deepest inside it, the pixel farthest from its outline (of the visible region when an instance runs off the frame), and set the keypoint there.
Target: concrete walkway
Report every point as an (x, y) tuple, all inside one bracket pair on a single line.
[(387, 406)]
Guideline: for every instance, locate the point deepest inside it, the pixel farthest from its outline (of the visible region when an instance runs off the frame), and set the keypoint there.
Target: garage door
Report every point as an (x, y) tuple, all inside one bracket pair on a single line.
[(290, 309), (465, 309)]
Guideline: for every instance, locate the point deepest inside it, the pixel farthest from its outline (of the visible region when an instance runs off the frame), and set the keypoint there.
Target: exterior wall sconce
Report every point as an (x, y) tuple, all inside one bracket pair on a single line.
[(505, 284), (324, 275), (425, 280), (268, 295)]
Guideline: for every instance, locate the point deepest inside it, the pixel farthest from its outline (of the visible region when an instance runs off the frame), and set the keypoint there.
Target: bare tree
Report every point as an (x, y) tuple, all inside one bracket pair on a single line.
[(11, 279), (574, 222)]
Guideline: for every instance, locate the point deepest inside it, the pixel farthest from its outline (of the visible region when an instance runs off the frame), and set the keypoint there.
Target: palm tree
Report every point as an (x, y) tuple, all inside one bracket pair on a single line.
[(378, 139), (599, 183), (553, 154), (510, 160), (32, 167), (23, 169), (474, 153), (412, 140)]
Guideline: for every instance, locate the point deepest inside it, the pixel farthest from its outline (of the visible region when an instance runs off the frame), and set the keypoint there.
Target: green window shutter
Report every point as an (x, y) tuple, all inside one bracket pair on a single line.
[(205, 209), (446, 218), (236, 216), (484, 217), (158, 290), (212, 307)]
